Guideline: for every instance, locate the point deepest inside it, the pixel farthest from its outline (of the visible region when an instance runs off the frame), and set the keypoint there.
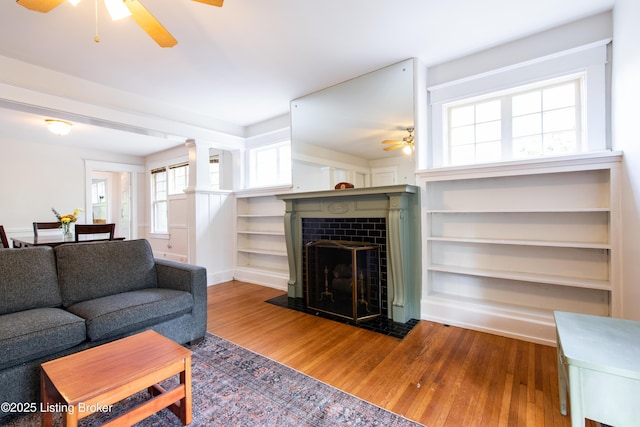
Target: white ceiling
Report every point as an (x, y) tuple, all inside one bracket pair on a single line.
[(243, 63)]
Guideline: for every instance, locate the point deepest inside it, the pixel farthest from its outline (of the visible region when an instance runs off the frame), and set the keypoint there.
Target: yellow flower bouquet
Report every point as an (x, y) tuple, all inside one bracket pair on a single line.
[(67, 220)]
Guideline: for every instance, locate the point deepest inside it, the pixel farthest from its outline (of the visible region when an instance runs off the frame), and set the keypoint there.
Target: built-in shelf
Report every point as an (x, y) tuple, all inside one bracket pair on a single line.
[(504, 248), (260, 240)]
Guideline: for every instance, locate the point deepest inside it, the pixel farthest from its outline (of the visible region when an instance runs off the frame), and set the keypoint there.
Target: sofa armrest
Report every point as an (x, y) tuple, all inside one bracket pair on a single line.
[(188, 278)]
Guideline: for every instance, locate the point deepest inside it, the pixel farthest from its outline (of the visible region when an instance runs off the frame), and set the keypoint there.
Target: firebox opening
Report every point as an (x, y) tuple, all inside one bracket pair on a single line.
[(343, 278)]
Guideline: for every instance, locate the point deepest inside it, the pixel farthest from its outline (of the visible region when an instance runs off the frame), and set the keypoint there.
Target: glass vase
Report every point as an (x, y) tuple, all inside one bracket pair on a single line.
[(66, 231)]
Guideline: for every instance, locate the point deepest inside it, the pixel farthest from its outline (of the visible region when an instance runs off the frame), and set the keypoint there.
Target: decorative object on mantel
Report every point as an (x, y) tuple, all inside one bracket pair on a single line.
[(343, 185), (66, 221), (406, 143)]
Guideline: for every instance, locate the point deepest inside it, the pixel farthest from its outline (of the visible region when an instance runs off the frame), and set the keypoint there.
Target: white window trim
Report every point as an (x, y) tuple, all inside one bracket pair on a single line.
[(590, 59)]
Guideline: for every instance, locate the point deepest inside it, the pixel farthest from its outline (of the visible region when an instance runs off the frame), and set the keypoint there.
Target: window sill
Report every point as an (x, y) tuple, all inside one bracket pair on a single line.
[(521, 166), (161, 236)]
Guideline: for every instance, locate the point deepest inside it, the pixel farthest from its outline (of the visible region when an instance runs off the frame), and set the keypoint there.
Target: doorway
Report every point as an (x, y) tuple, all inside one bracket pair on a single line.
[(112, 195)]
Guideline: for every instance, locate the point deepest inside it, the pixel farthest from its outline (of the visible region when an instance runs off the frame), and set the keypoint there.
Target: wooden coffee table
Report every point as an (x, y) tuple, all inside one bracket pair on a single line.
[(93, 380)]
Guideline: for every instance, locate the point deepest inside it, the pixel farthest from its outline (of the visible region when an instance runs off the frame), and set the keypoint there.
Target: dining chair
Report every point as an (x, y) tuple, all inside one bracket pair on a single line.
[(3, 237), (45, 226), (95, 229)]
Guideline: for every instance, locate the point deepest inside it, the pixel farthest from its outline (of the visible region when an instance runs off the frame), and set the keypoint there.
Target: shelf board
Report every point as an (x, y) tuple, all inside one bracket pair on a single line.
[(535, 314), (264, 215), (273, 252), (526, 277), (543, 243), (531, 211), (263, 233), (259, 269)]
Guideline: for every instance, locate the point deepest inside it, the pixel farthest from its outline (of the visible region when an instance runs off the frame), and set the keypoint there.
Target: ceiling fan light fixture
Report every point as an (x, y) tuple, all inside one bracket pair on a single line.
[(408, 149), (58, 127), (74, 3), (117, 9)]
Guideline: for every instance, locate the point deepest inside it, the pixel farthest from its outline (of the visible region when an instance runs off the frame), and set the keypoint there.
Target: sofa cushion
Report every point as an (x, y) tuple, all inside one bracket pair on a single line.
[(30, 334), (28, 279), (93, 270), (119, 314)]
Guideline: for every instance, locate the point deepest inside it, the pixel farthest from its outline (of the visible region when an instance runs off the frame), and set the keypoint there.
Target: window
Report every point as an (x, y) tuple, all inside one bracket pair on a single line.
[(166, 181), (214, 171), (159, 208), (523, 123), (270, 165), (497, 110), (98, 191), (178, 178)]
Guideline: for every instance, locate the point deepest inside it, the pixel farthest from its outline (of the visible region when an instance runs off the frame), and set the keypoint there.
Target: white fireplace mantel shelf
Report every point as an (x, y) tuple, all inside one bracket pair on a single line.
[(398, 204)]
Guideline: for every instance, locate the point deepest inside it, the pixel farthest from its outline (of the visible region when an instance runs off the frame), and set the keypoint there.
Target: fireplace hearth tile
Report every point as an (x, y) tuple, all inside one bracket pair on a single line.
[(380, 325)]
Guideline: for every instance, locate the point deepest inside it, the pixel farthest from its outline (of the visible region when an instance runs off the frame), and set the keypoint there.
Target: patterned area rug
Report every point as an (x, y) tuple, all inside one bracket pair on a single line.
[(233, 386)]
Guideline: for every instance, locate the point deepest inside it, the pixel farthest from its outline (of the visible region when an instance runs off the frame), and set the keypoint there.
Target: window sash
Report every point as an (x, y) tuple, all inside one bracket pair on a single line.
[(165, 181), (178, 179), (475, 137), (159, 200), (214, 171)]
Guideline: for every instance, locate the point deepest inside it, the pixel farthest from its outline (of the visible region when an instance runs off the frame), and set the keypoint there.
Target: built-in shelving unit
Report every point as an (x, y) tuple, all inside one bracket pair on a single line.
[(505, 246), (260, 245)]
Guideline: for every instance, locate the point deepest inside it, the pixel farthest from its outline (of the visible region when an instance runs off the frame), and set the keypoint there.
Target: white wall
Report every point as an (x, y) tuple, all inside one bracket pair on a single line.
[(34, 177), (563, 38), (626, 137)]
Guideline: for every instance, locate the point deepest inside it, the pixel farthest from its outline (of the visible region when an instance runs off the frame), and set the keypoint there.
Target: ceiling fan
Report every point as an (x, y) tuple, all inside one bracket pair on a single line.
[(406, 143), (131, 7)]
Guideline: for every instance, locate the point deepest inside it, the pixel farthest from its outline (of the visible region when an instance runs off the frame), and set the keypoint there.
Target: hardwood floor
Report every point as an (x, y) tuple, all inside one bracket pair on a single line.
[(437, 375)]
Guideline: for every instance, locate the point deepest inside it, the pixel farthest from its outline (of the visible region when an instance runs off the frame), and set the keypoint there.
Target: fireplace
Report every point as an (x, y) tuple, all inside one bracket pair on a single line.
[(342, 278), (387, 217)]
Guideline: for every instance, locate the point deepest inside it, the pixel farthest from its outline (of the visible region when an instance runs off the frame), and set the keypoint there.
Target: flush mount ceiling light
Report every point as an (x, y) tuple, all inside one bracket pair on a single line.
[(58, 127)]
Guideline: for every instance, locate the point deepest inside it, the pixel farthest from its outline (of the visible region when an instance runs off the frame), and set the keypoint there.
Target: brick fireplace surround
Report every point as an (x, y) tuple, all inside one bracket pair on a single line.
[(382, 215)]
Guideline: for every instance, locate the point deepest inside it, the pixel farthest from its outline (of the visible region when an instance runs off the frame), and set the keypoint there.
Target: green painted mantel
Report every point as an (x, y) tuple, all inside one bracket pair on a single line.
[(399, 204)]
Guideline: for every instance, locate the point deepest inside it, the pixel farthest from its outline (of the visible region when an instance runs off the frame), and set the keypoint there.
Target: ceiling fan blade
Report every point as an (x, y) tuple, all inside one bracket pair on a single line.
[(391, 141), (150, 24), (393, 147), (211, 2), (43, 6)]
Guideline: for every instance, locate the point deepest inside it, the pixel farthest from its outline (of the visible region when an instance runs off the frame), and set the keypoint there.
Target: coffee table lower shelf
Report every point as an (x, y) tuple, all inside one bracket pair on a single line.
[(93, 380)]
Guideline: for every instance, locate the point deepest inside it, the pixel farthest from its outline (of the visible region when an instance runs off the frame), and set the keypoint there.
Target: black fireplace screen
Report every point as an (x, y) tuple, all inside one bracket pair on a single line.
[(343, 278)]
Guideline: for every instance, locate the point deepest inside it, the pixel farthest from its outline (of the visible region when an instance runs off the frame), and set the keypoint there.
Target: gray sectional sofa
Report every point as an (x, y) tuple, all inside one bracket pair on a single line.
[(55, 302)]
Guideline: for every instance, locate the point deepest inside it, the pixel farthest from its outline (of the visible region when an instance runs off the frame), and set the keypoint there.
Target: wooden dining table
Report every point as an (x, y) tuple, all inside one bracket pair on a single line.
[(52, 240)]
